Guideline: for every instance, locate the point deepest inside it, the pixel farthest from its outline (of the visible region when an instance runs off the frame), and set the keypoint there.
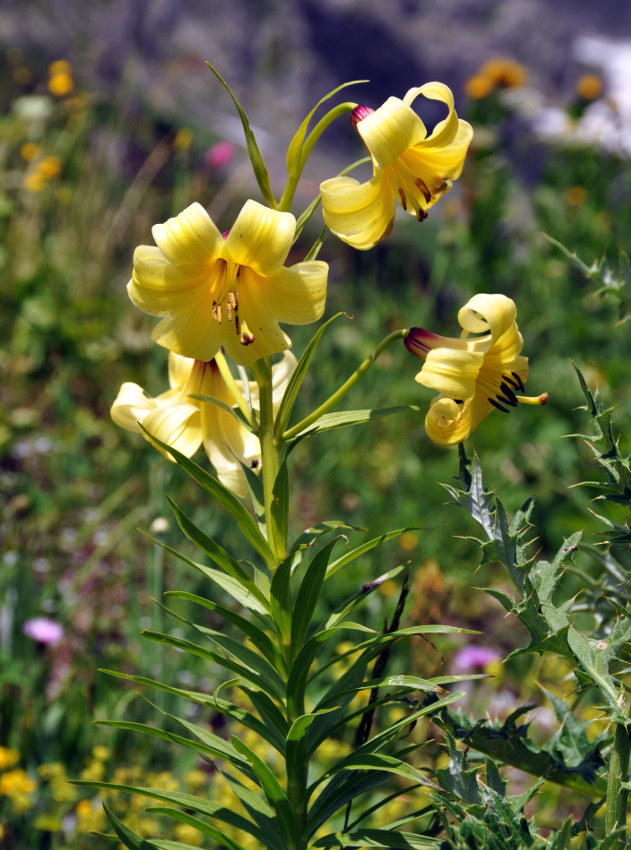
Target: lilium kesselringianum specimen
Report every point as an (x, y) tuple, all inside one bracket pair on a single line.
[(185, 423), (473, 374), (229, 290), (408, 166)]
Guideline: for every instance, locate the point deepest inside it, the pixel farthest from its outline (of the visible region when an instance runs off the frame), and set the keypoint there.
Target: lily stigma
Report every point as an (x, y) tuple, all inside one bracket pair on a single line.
[(474, 375), (409, 167), (226, 291), (185, 423)]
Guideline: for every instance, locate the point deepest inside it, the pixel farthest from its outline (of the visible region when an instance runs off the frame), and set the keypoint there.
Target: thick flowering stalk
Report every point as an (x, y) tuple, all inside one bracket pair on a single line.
[(226, 291), (409, 167), (474, 375), (178, 419)]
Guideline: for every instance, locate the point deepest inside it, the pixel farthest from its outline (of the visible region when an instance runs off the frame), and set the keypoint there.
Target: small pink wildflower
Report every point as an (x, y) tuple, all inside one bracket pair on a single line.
[(43, 630), (220, 154)]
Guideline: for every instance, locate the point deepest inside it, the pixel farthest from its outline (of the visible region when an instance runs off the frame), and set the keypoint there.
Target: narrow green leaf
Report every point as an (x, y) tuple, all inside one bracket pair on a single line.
[(258, 637), (224, 496), (224, 581), (280, 504), (213, 746), (345, 418), (249, 665), (361, 550), (291, 393), (295, 747), (377, 838), (178, 798), (258, 164), (308, 596), (280, 600), (126, 836), (272, 789), (235, 712), (268, 711), (201, 826), (234, 411), (342, 788), (260, 811), (363, 593)]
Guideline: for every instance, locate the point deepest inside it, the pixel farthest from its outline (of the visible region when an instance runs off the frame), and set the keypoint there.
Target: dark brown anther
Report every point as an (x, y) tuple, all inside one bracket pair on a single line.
[(236, 322), (421, 185), (215, 310), (404, 202), (510, 396), (520, 383), (421, 215), (510, 381), (498, 405)]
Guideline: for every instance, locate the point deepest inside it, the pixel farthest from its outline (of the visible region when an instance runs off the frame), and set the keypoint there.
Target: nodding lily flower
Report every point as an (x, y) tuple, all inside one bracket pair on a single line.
[(408, 166), (185, 423), (473, 374), (229, 290)]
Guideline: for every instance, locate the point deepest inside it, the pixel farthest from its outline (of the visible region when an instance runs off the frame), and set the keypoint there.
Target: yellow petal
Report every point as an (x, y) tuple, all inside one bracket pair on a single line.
[(447, 422), (484, 313), (390, 130), (361, 214), (445, 131), (158, 287), (189, 238), (177, 425), (451, 371), (296, 294), (191, 334), (260, 238), (179, 369), (131, 406)]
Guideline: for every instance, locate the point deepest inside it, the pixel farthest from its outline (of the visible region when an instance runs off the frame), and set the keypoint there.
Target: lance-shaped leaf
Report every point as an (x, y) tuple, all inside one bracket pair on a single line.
[(272, 789), (226, 583), (201, 826), (234, 712), (258, 164), (259, 810), (308, 595), (259, 638), (295, 382), (340, 613), (346, 418), (127, 837), (347, 557), (256, 672), (377, 838), (224, 496), (177, 798), (342, 788)]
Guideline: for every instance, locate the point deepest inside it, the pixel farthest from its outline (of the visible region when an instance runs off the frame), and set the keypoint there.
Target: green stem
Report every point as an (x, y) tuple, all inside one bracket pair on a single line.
[(346, 386), (292, 182), (270, 454), (617, 796)]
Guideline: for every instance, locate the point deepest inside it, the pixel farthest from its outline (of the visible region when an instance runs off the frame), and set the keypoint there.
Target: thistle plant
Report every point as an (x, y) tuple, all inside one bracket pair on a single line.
[(284, 682)]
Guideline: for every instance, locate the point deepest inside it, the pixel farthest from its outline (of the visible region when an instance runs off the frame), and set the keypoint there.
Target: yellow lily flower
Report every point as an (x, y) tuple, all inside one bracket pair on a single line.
[(408, 166), (226, 291), (185, 423), (474, 375)]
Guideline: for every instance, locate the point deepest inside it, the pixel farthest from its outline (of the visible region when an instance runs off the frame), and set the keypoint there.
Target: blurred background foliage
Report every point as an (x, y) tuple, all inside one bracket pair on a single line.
[(85, 172)]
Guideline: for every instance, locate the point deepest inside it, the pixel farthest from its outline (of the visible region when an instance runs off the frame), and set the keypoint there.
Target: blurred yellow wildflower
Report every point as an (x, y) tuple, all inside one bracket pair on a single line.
[(29, 151), (90, 815), (409, 167), (34, 182), (503, 72), (478, 86), (8, 757), (188, 834), (575, 196), (60, 82), (50, 167), (17, 785), (183, 139), (589, 87), (227, 291), (473, 375)]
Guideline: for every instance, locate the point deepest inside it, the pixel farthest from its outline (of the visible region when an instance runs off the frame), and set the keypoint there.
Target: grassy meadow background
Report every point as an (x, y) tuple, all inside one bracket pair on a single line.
[(85, 172)]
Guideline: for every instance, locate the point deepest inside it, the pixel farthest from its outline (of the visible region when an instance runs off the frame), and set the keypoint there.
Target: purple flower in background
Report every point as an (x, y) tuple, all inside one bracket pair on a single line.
[(471, 658), (43, 630)]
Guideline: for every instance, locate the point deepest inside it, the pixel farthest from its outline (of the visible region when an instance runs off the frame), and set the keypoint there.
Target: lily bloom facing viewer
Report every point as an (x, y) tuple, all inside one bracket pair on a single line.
[(229, 291), (185, 423), (409, 167), (473, 374)]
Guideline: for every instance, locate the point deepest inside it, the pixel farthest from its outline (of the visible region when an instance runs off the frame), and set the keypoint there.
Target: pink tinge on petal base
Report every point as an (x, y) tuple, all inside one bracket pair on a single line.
[(419, 342), (359, 113)]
